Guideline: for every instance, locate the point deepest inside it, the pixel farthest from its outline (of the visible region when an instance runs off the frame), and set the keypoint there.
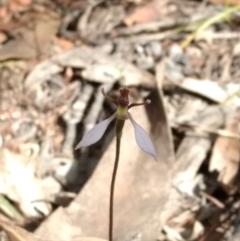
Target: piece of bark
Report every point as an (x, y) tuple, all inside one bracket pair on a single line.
[(226, 157)]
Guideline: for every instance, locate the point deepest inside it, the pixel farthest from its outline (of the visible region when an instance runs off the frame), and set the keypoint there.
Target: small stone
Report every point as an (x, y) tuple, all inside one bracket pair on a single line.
[(154, 49), (173, 71), (147, 63), (176, 53), (139, 48)]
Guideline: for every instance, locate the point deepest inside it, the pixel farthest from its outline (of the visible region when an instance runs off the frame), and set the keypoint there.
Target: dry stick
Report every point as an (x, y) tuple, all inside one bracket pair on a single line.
[(229, 215), (118, 131), (218, 224)]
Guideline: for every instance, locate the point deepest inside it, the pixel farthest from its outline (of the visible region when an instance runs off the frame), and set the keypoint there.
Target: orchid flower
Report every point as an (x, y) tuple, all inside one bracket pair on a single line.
[(122, 113)]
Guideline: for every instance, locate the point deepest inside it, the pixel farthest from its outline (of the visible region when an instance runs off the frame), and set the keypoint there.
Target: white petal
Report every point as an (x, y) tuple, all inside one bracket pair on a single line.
[(142, 139), (96, 133)]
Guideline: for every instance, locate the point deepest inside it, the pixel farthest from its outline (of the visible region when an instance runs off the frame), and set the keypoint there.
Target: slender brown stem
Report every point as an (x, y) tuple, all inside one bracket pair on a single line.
[(109, 98), (137, 104), (118, 130)]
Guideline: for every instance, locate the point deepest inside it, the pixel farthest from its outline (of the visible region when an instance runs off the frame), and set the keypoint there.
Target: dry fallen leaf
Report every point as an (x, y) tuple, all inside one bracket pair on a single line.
[(3, 37), (97, 21), (102, 68), (24, 2), (19, 183), (12, 6), (35, 39), (149, 12), (43, 71), (96, 66), (63, 43), (225, 158), (3, 12), (16, 233), (213, 90)]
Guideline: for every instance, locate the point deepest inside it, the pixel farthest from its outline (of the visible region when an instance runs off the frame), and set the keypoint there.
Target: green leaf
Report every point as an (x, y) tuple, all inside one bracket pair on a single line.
[(9, 209)]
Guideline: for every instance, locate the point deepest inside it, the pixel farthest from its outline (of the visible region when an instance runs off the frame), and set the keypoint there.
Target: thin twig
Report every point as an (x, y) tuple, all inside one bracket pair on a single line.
[(218, 224), (213, 200)]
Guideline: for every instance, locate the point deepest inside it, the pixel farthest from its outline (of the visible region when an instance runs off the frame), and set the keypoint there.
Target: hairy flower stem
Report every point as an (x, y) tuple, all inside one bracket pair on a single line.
[(118, 132)]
